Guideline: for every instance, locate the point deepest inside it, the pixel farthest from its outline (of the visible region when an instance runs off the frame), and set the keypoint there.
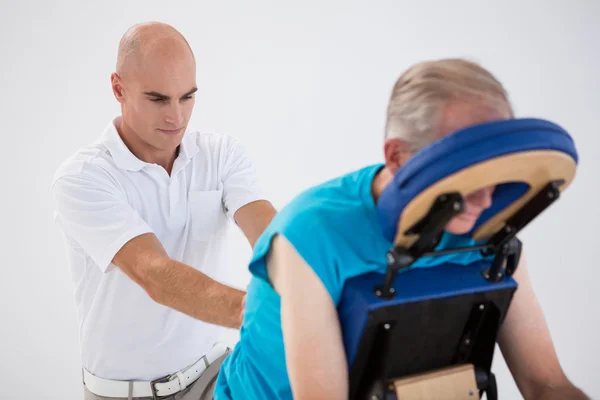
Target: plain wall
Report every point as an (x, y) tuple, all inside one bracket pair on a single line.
[(304, 85)]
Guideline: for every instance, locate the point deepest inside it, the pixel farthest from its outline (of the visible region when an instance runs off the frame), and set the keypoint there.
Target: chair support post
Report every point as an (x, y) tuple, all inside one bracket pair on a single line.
[(504, 244), (430, 228)]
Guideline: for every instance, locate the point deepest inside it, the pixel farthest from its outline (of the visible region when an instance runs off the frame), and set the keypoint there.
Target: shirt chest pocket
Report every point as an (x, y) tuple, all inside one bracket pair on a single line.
[(206, 213)]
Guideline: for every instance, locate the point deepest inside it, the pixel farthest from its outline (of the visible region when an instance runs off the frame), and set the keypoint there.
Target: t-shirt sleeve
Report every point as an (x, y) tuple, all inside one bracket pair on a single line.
[(307, 233), (240, 179), (93, 212)]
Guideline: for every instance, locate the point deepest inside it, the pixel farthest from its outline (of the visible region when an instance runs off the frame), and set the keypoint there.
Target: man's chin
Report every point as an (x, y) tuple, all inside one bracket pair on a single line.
[(461, 224), (167, 143)]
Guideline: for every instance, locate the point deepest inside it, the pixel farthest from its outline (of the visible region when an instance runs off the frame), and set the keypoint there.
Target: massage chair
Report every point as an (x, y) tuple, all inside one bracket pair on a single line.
[(431, 333)]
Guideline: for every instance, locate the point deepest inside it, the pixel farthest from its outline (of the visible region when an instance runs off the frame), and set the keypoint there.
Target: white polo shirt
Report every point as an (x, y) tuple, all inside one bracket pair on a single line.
[(104, 196)]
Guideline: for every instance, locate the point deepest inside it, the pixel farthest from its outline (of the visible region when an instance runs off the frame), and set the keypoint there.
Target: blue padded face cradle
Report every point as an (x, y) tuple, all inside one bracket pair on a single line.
[(466, 148)]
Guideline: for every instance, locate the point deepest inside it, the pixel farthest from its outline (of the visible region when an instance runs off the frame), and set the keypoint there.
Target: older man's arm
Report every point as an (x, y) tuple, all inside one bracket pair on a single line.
[(315, 357), (527, 347)]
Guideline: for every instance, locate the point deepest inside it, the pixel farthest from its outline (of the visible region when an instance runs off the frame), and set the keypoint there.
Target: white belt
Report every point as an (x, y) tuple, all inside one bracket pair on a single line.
[(158, 388)]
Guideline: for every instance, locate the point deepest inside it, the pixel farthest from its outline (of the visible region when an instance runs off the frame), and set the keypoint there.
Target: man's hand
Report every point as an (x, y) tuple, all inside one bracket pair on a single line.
[(177, 285)]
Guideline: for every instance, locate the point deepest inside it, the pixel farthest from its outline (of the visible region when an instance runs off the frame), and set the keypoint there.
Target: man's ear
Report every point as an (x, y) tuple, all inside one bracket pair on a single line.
[(117, 87), (396, 154)]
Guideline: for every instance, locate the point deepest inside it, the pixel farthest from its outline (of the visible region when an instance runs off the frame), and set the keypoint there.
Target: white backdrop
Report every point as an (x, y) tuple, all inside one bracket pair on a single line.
[(305, 86)]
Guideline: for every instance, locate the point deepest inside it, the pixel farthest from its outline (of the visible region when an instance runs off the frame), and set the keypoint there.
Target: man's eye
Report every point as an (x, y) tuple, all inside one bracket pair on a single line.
[(157, 100), (186, 98)]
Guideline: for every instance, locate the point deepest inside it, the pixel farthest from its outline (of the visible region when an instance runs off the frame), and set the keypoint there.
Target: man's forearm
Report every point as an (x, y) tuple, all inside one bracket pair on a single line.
[(191, 292), (563, 392)]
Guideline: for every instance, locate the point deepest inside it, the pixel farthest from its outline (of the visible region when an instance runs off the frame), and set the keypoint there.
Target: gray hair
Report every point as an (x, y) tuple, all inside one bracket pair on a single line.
[(420, 94)]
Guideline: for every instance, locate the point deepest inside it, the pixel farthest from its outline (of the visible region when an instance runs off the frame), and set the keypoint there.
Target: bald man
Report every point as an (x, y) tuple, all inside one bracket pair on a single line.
[(144, 212)]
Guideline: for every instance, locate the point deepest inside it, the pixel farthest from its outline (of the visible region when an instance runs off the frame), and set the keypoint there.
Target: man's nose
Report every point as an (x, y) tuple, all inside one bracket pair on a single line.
[(482, 197), (174, 115)]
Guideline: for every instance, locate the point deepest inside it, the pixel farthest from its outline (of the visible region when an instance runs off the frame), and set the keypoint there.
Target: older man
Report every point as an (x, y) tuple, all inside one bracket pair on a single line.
[(144, 211), (291, 345)]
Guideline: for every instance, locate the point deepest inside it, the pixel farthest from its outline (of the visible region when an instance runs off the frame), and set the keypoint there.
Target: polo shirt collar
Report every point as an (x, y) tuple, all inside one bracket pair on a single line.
[(125, 159), (188, 148)]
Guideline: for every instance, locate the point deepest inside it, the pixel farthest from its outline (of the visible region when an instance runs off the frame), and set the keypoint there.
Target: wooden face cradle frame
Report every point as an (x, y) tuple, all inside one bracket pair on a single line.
[(548, 166)]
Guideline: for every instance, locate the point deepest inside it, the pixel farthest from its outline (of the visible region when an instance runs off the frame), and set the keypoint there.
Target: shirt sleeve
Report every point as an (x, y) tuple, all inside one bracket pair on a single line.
[(240, 180), (92, 211), (308, 235)]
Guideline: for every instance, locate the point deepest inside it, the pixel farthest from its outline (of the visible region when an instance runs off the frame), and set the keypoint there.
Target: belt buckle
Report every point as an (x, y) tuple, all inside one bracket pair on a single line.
[(164, 379)]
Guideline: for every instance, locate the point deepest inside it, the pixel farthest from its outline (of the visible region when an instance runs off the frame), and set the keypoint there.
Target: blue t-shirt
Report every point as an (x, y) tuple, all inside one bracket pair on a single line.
[(335, 228)]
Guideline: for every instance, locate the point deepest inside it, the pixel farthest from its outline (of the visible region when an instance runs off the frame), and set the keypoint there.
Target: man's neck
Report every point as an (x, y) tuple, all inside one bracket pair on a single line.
[(144, 151), (380, 182)]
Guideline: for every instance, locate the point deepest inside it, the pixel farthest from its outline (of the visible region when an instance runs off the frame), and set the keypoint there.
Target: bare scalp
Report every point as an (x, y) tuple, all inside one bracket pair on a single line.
[(150, 42)]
